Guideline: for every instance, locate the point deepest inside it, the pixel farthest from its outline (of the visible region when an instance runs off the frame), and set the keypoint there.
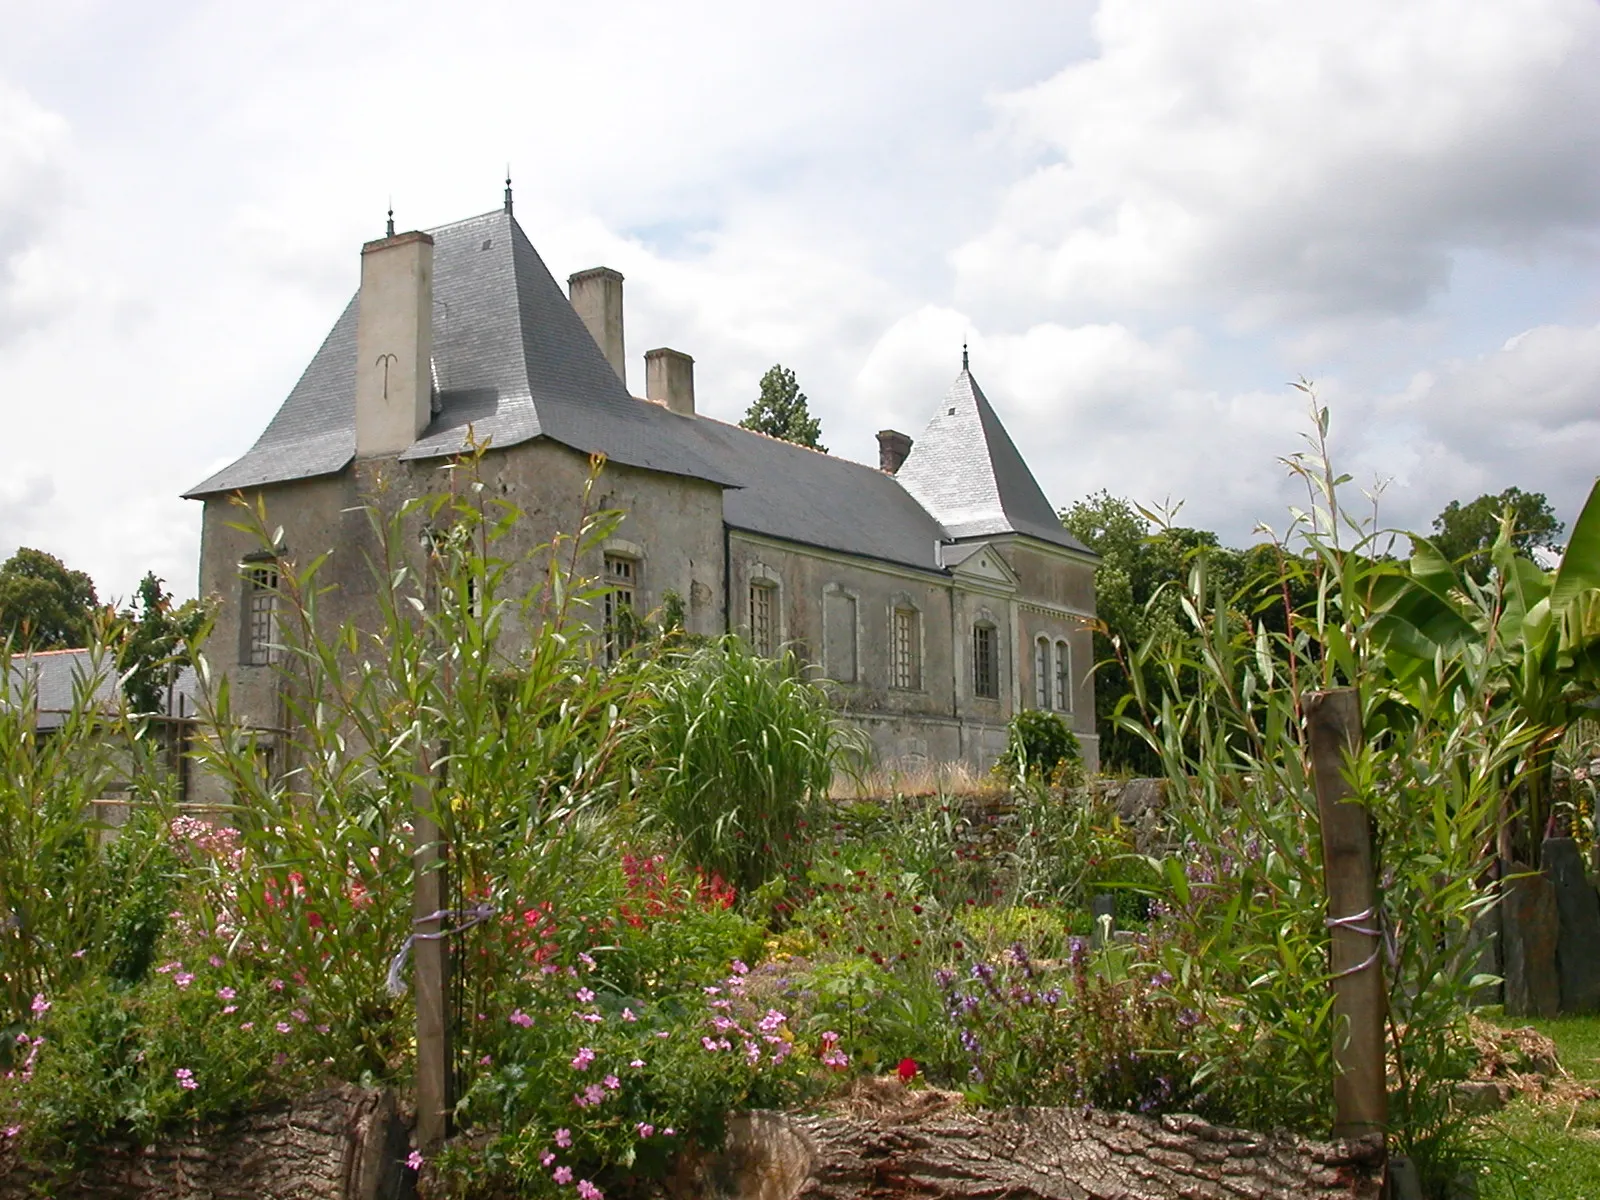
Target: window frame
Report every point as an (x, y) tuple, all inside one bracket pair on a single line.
[(1063, 678), (1042, 678), (985, 643), (765, 628), (258, 627), (622, 592)]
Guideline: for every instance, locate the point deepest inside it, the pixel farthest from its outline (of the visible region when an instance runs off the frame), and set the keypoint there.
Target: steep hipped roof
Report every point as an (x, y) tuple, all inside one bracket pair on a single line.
[(511, 358), (967, 472)]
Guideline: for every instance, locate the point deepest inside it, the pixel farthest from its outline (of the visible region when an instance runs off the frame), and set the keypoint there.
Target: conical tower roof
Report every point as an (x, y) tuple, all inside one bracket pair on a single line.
[(967, 472)]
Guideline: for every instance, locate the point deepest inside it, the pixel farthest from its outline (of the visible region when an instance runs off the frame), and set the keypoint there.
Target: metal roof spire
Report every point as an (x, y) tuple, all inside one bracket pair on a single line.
[(964, 354), (508, 188), (389, 231)]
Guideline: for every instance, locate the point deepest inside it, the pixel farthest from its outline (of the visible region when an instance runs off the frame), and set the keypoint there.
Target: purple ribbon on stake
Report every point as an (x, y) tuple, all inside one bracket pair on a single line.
[(468, 918)]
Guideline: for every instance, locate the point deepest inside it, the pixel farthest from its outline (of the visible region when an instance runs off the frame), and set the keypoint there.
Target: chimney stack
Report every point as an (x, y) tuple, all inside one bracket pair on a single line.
[(394, 344), (893, 446), (669, 380), (597, 296)]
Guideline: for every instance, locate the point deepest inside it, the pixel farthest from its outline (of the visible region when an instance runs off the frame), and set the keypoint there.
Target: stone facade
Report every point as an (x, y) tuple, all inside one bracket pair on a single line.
[(936, 612)]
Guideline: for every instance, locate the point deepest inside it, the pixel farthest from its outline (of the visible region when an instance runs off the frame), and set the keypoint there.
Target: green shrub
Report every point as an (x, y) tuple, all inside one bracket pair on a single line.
[(735, 755), (1040, 746)]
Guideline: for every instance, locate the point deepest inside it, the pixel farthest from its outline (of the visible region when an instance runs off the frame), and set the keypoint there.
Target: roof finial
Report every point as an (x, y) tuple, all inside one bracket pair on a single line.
[(508, 188), (964, 354), (389, 231)]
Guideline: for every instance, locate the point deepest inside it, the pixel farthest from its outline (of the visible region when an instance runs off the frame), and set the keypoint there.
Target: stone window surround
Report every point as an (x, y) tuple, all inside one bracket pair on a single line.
[(258, 610), (903, 602), (761, 575), (854, 596), (620, 551), (994, 677), (1063, 678)]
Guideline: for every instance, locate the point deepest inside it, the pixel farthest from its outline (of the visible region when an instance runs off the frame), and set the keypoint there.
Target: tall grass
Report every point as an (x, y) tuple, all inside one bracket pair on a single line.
[(736, 754)]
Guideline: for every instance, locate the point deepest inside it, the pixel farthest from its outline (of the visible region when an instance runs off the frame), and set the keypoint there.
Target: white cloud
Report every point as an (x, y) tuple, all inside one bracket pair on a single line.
[(1272, 162), (33, 145)]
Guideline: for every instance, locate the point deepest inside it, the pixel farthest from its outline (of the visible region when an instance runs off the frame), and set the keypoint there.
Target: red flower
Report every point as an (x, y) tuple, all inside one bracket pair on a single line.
[(907, 1070)]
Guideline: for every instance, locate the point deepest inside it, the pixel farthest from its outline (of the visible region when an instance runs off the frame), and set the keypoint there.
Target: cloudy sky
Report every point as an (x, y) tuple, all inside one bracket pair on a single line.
[(1146, 217)]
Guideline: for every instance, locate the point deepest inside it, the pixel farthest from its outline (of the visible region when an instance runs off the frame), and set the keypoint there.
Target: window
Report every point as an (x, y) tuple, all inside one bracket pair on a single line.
[(260, 616), (985, 662), (839, 634), (1063, 677), (907, 647), (620, 629), (1041, 673), (764, 618)]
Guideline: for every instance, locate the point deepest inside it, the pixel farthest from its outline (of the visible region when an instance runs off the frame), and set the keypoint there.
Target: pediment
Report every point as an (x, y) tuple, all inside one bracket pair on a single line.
[(984, 564)]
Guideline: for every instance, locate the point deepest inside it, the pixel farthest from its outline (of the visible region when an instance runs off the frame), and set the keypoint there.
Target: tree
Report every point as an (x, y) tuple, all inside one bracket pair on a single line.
[(1464, 533), (156, 644), (43, 604), (781, 411)]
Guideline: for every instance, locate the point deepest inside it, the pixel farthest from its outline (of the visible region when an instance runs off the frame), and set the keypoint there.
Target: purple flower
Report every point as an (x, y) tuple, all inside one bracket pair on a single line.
[(185, 1078)]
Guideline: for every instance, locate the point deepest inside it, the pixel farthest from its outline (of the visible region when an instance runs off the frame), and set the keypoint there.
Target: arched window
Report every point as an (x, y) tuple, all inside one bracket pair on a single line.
[(1063, 677), (906, 650), (1041, 672)]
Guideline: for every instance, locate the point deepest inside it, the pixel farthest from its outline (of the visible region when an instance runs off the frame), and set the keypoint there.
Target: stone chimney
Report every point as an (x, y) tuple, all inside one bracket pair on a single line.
[(669, 380), (394, 344), (597, 296), (893, 446)]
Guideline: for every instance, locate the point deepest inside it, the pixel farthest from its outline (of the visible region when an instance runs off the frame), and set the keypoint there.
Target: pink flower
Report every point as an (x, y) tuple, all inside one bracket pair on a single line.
[(215, 961), (739, 968), (588, 1191), (299, 1014), (40, 1005), (564, 1138), (414, 1160), (169, 968), (562, 1174), (324, 1028), (185, 1078), (485, 1061), (627, 1015), (276, 985), (582, 1059), (586, 961), (709, 1044), (11, 1131), (612, 1083), (521, 1018), (547, 1158), (79, 953), (669, 1131), (247, 1027), (183, 979), (663, 1033), (645, 1130), (772, 1022), (637, 1063), (284, 1027), (594, 1094), (591, 1017), (226, 993), (229, 1008)]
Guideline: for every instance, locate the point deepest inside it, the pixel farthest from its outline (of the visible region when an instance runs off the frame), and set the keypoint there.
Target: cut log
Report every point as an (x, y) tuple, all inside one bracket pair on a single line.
[(950, 1153)]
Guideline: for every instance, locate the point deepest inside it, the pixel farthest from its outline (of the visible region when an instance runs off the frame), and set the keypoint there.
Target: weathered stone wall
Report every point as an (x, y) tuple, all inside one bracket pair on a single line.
[(343, 1143)]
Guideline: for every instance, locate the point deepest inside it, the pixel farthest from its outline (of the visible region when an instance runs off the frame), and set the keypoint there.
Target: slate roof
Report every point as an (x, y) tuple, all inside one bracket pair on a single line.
[(513, 360), (968, 473), (55, 677), (511, 357)]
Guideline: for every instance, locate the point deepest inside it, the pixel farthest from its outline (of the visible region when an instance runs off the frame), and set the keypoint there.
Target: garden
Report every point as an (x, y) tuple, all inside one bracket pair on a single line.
[(659, 910)]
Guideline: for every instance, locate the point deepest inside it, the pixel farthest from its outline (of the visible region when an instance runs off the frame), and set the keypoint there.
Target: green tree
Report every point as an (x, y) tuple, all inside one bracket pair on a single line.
[(43, 604), (1464, 533), (781, 411), (156, 644)]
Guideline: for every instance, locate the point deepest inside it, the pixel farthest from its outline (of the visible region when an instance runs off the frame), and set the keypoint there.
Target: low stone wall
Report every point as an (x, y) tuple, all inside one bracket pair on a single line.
[(344, 1143)]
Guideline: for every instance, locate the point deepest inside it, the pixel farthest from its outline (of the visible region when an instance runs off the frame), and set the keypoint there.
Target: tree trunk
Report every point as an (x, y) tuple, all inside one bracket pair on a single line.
[(944, 1152)]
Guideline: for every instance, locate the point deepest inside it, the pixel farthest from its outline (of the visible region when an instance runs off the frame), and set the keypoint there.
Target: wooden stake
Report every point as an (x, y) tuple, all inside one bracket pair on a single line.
[(1360, 1092), (430, 971)]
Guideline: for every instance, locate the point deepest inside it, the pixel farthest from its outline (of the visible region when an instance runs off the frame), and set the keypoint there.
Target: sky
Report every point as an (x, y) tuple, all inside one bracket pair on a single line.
[(1147, 218)]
